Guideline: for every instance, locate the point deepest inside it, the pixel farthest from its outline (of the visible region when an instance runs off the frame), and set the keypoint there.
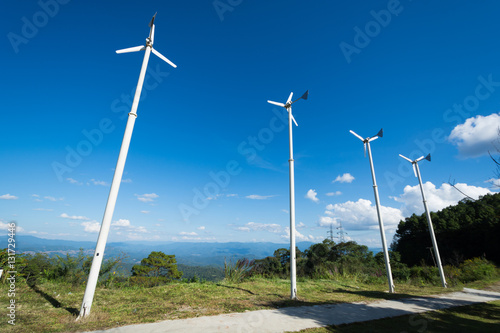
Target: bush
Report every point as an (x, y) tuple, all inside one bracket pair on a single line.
[(425, 274), (234, 273), (476, 269), (402, 273)]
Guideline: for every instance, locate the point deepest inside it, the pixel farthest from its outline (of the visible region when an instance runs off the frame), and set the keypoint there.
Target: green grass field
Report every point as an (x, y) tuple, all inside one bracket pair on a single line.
[(52, 307)]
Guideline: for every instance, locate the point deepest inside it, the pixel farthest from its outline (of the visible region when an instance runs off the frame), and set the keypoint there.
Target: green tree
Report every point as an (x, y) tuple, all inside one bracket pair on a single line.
[(157, 268), (467, 230)]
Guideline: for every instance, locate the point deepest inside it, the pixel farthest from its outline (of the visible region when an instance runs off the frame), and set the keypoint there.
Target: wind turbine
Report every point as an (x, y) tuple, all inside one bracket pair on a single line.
[(416, 171), (293, 269), (366, 144), (120, 165)]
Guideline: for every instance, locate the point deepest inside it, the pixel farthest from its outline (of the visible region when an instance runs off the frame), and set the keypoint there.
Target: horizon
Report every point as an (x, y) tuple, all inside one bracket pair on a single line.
[(208, 160)]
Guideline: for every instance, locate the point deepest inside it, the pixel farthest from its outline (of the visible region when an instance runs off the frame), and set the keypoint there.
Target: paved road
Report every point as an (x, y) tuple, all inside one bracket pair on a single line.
[(299, 318)]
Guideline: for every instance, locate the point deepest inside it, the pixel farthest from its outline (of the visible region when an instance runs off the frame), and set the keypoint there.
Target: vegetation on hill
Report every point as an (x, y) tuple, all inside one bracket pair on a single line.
[(50, 289), (467, 230), (158, 268)]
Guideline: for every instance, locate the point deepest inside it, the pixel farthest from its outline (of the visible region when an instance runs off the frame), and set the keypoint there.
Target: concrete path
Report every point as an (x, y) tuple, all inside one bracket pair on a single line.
[(299, 318)]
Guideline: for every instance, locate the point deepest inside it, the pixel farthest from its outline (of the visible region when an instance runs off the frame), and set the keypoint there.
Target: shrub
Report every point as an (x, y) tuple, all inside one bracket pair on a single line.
[(476, 269), (401, 273), (234, 273), (425, 274)]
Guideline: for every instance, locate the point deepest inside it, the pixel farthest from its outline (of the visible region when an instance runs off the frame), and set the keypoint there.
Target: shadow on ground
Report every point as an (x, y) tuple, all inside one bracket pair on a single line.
[(55, 303)]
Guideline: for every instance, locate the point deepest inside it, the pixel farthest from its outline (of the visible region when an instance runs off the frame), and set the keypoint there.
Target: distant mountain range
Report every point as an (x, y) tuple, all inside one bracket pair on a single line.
[(193, 254)]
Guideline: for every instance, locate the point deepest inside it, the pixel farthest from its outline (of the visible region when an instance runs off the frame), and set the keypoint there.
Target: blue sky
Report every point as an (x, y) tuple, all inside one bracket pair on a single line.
[(209, 156)]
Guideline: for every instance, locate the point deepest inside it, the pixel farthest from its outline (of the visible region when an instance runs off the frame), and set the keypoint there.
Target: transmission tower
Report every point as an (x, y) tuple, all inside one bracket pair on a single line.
[(341, 233), (330, 232)]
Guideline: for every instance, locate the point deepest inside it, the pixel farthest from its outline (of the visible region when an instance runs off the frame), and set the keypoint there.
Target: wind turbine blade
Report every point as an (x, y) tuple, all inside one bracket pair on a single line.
[(304, 97), (373, 138), (163, 58), (294, 121), (152, 20), (132, 49), (406, 158), (276, 103), (152, 35), (419, 159), (356, 135), (364, 147), (414, 169), (289, 98), (428, 157)]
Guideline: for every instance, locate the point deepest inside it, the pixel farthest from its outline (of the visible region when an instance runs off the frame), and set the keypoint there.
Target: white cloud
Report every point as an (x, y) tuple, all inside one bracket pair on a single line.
[(35, 195), (73, 181), (121, 223), (184, 233), (259, 197), (128, 180), (300, 237), (326, 221), (145, 211), (331, 194), (493, 181), (99, 182), (52, 198), (214, 197), (253, 226), (437, 198), (300, 225), (312, 195), (345, 178), (272, 227), (147, 197), (141, 229), (361, 215), (476, 136), (91, 226), (8, 197), (6, 226), (125, 226), (201, 228), (73, 217), (43, 209)]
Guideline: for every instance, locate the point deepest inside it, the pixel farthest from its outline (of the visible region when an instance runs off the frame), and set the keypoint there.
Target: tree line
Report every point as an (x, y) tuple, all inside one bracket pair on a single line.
[(467, 230), (467, 235)]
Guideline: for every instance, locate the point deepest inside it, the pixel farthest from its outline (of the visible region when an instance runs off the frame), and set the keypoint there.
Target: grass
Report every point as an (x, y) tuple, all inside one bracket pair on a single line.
[(483, 317), (52, 307)]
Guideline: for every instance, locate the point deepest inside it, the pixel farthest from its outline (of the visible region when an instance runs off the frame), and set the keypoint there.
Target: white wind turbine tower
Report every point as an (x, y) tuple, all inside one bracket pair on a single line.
[(366, 144), (288, 107), (120, 165), (416, 171)]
